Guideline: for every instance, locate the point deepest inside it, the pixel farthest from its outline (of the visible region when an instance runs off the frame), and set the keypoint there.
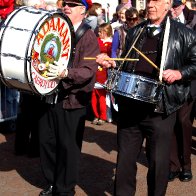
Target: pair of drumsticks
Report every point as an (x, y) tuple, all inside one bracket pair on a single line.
[(128, 59)]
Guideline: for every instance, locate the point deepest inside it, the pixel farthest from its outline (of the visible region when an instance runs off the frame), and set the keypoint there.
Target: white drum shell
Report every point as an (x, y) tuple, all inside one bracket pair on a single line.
[(15, 42)]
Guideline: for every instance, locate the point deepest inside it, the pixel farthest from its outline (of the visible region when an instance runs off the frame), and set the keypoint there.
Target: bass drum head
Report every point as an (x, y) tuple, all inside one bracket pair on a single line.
[(53, 41)]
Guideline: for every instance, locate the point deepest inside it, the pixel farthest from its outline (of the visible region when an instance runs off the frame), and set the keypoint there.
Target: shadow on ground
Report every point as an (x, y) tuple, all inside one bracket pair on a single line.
[(193, 150), (27, 168), (104, 139), (107, 141), (95, 173)]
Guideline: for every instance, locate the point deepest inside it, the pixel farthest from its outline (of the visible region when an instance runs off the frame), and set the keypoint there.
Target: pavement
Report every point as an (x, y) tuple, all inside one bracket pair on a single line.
[(22, 176)]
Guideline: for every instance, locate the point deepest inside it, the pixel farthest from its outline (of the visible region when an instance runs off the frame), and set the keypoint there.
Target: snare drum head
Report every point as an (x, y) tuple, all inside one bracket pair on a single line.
[(53, 42)]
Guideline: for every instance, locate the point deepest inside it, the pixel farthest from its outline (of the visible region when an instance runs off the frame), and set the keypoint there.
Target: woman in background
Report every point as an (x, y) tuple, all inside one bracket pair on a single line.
[(94, 16), (120, 11), (118, 42)]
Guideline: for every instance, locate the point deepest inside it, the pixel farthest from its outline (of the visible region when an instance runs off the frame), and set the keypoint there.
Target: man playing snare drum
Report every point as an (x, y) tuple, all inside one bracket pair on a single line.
[(167, 54), (62, 125)]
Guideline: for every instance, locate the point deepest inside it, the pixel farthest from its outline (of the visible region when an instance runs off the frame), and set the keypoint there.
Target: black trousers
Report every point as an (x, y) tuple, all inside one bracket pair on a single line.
[(61, 133), (180, 158), (137, 121), (26, 138)]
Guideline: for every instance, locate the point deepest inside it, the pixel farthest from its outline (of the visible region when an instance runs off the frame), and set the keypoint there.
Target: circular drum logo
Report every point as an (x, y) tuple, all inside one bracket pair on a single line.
[(52, 43), (50, 49)]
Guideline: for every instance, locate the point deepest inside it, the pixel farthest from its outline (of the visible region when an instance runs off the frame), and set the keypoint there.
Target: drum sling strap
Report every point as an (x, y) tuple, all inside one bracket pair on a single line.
[(81, 31)]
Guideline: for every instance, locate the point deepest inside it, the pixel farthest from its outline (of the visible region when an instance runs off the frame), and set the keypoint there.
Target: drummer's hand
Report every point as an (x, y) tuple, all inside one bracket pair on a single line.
[(57, 70), (100, 59), (171, 76)]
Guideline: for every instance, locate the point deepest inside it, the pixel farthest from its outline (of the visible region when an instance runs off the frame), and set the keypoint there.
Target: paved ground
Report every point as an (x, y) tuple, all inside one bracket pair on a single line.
[(21, 176)]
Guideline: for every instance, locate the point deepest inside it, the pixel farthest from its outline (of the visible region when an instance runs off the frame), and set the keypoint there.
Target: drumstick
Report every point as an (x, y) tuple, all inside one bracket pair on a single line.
[(114, 59), (146, 58)]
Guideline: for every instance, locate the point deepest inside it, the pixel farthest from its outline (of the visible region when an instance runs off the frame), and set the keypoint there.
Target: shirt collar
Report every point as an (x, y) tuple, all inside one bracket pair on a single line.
[(76, 26), (181, 18), (109, 39), (157, 31)]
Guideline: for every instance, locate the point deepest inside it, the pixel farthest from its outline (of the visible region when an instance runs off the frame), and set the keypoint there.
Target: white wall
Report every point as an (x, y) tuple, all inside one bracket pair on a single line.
[(140, 4)]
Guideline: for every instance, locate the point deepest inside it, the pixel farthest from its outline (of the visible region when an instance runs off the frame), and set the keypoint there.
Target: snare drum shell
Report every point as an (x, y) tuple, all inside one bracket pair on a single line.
[(138, 87)]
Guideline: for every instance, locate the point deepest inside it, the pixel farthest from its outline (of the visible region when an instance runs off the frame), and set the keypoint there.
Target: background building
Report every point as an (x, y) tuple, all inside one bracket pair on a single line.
[(139, 4), (110, 6)]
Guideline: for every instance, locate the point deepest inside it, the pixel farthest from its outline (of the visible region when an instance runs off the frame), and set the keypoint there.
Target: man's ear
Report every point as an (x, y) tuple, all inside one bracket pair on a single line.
[(169, 4), (83, 12)]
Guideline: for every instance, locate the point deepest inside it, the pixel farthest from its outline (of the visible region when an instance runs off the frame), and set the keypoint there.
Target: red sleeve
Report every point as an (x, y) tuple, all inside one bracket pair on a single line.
[(7, 6)]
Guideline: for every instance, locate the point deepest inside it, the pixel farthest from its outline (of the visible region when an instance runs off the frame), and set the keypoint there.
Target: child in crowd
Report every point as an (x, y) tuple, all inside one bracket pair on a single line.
[(99, 93)]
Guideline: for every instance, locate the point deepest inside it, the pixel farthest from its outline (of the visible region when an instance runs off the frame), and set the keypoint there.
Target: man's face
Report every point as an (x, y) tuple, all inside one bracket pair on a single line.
[(132, 21), (75, 11), (157, 10), (176, 10)]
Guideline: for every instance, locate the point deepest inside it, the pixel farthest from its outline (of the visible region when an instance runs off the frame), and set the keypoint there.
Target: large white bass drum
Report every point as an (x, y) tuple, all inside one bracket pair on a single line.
[(30, 37)]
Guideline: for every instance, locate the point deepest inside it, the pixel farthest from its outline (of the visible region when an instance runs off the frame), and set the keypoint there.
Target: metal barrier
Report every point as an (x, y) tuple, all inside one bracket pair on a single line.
[(9, 100)]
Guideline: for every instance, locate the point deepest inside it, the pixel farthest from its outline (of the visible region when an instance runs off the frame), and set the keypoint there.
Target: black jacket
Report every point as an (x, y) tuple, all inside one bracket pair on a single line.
[(190, 18), (78, 85), (181, 55), (190, 22)]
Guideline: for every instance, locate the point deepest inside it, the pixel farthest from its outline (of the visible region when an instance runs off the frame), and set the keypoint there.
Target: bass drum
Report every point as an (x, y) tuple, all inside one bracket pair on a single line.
[(30, 37)]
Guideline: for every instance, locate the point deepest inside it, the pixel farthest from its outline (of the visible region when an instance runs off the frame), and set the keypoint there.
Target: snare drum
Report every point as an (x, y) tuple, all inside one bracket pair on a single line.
[(138, 87), (30, 37)]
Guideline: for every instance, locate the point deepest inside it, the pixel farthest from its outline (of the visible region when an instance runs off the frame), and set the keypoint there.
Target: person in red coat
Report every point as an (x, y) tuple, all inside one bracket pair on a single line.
[(99, 93), (6, 7)]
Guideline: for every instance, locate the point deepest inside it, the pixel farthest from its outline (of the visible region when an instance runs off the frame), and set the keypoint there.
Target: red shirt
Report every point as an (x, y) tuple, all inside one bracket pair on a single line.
[(105, 47), (6, 7)]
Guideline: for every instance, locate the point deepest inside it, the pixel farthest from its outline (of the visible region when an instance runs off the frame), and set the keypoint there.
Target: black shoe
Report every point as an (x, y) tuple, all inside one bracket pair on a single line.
[(20, 153), (47, 192), (173, 175), (185, 176)]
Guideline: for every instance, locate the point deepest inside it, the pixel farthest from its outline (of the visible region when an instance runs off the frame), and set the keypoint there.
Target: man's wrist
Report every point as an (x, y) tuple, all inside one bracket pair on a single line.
[(64, 73)]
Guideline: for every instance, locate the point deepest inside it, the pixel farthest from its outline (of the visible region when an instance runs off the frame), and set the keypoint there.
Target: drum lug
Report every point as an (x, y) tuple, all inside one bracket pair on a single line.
[(36, 32), (29, 58)]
